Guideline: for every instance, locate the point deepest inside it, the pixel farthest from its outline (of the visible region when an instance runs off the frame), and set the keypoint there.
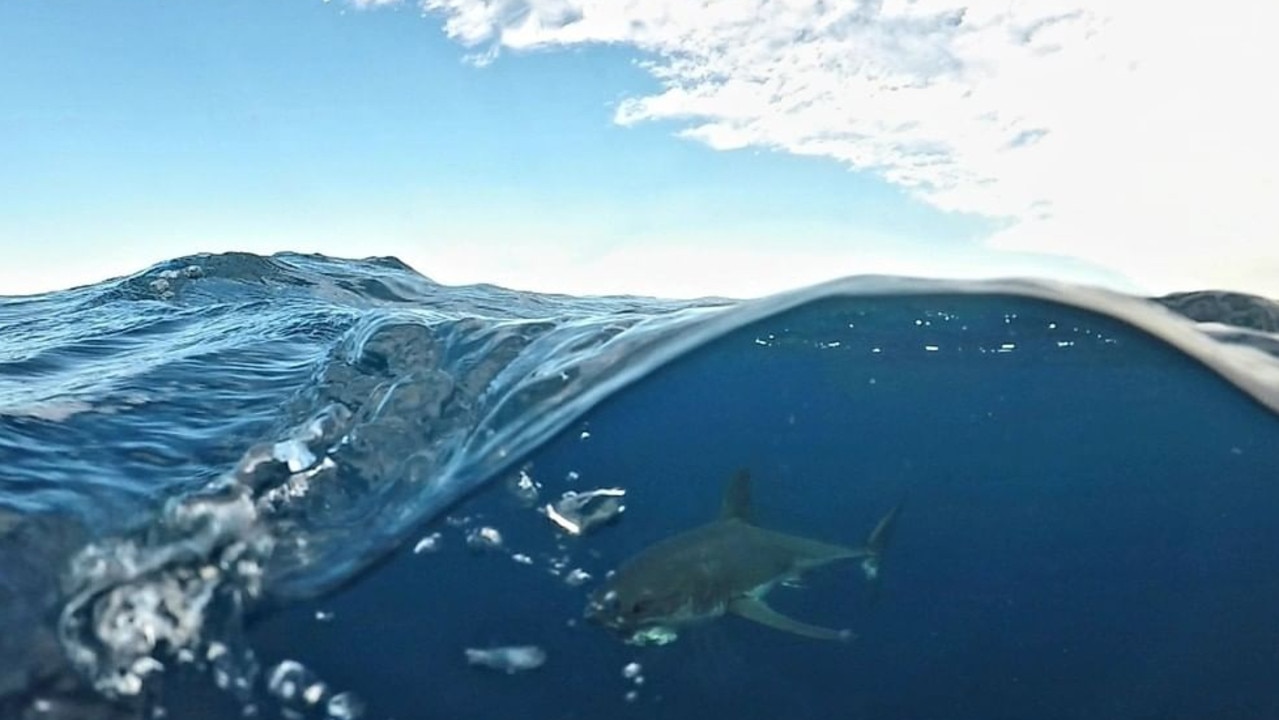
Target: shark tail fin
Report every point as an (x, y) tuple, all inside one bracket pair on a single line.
[(876, 544)]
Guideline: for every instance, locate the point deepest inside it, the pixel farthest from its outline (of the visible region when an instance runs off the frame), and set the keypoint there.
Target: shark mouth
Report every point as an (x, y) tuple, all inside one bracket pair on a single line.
[(602, 612)]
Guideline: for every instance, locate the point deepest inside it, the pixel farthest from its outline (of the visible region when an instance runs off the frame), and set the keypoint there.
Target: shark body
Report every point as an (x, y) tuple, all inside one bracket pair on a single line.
[(725, 566)]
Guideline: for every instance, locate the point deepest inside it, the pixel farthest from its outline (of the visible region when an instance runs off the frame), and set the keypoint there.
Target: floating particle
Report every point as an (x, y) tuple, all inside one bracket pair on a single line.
[(585, 434), (575, 513), (631, 696), (576, 577), (572, 476), (510, 659), (428, 544), (344, 706), (522, 559), (324, 616), (632, 670), (484, 538)]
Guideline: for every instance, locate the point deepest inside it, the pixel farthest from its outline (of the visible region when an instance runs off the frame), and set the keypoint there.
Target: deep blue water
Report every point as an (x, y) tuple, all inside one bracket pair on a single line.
[(227, 462)]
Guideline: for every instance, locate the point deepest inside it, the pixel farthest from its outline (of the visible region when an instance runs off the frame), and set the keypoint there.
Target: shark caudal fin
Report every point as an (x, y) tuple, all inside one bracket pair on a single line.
[(876, 544)]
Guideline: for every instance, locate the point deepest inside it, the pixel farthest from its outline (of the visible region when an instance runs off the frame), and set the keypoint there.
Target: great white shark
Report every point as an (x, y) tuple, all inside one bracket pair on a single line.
[(725, 566)]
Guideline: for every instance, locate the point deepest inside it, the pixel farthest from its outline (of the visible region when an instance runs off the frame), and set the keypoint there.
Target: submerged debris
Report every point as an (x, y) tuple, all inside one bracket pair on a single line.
[(509, 659), (577, 513)]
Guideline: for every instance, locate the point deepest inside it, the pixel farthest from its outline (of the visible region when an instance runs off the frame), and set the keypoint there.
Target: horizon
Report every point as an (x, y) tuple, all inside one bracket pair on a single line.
[(671, 149)]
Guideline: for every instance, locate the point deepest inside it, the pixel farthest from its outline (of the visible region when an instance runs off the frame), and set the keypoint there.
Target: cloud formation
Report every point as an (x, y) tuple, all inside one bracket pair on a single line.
[(1132, 134)]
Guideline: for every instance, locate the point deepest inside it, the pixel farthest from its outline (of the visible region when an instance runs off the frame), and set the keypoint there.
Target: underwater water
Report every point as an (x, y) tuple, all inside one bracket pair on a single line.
[(300, 487)]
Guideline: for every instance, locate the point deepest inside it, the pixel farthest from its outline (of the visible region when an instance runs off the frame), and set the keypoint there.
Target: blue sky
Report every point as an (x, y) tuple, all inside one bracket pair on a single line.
[(571, 161)]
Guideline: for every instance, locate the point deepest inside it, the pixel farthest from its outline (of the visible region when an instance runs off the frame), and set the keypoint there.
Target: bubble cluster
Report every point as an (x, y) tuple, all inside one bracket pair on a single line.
[(633, 672)]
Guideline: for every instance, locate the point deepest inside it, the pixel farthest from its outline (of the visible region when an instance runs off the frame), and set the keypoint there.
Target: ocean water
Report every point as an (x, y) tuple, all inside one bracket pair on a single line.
[(301, 487)]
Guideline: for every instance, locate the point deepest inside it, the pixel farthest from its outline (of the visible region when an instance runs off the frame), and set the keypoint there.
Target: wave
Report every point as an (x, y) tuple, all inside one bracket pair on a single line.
[(222, 436)]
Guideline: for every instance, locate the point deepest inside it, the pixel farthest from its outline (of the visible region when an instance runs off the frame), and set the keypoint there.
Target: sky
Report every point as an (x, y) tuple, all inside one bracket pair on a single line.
[(660, 147)]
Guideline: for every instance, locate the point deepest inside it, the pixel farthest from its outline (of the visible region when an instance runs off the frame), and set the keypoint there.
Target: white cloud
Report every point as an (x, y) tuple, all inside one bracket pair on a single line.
[(1134, 134)]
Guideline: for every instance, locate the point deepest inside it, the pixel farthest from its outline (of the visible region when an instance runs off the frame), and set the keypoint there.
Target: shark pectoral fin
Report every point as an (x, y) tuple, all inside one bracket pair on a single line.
[(877, 543), (879, 538), (759, 611)]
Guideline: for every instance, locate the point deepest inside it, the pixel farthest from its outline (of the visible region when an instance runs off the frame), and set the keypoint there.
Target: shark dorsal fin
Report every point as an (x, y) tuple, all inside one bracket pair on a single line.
[(737, 498)]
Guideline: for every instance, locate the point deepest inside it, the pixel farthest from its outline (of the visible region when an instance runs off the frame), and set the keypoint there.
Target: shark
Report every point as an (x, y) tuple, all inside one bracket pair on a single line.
[(727, 566)]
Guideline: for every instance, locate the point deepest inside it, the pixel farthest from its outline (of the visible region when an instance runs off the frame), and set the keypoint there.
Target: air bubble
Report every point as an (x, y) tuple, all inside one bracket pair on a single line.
[(290, 682), (484, 538), (345, 706), (510, 659), (428, 544)]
